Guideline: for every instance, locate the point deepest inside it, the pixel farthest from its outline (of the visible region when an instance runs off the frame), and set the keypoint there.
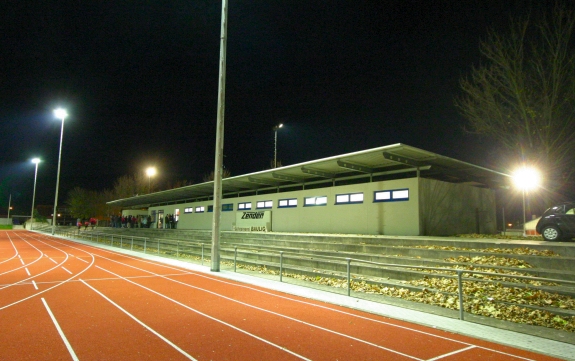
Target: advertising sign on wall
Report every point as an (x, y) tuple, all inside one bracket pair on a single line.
[(257, 221)]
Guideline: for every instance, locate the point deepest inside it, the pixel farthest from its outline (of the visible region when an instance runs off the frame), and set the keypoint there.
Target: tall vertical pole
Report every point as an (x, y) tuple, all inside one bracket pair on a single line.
[(524, 218), (275, 147), (9, 205), (58, 179), (218, 167), (36, 160)]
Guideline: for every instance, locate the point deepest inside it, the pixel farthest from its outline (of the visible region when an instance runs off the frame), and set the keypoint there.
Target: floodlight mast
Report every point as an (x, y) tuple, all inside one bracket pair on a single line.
[(218, 166), (526, 178), (60, 114), (35, 161), (276, 143)]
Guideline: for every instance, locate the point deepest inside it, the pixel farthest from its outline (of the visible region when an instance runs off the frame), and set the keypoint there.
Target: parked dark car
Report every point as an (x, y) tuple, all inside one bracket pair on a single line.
[(558, 222)]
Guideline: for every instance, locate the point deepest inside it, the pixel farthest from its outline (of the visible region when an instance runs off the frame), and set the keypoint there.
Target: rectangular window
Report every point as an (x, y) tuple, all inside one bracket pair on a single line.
[(287, 203), (264, 204), (200, 209), (394, 195), (227, 207), (188, 210), (349, 198), (210, 208), (244, 206), (315, 201)]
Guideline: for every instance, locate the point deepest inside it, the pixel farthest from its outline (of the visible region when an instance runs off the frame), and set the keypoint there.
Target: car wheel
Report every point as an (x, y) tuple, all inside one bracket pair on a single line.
[(551, 233)]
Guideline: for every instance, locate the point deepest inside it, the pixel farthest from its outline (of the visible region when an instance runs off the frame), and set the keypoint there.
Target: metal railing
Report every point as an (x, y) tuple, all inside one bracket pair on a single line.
[(189, 250)]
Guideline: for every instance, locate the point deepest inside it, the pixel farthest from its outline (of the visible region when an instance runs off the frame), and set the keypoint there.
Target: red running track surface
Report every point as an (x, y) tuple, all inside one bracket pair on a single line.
[(61, 300)]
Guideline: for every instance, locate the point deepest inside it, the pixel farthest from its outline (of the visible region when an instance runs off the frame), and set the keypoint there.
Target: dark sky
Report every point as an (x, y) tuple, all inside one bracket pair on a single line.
[(140, 82)]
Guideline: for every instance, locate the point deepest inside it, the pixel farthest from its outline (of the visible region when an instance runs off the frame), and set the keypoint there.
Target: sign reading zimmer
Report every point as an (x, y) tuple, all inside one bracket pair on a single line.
[(247, 221)]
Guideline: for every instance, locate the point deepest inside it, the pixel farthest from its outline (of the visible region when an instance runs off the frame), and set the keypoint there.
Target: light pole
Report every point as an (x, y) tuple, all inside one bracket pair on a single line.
[(60, 114), (151, 171), (526, 178), (276, 143), (35, 161)]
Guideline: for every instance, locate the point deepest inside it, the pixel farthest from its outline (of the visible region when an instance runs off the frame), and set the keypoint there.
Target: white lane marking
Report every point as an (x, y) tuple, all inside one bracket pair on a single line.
[(26, 268), (279, 314), (198, 274), (141, 323), (208, 316), (83, 260), (303, 302), (52, 260), (451, 353), (14, 269), (68, 346), (15, 250), (64, 268), (22, 261), (34, 283), (47, 289)]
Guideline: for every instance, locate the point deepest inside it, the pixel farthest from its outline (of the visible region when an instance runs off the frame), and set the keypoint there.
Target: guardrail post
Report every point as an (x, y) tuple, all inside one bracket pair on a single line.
[(281, 265), (235, 256), (145, 245), (132, 244), (177, 249), (158, 247), (202, 254), (348, 276), (460, 293)]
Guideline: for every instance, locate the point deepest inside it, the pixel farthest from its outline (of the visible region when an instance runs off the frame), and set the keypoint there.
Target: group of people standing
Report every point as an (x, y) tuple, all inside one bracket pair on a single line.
[(129, 221), (170, 221)]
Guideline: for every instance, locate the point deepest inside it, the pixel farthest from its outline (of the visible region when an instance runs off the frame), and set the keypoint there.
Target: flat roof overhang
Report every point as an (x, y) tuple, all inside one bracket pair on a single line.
[(392, 159)]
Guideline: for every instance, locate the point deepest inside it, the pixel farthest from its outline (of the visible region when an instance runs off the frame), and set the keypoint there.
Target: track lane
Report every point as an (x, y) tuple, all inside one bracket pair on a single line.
[(422, 344), (97, 330), (239, 292)]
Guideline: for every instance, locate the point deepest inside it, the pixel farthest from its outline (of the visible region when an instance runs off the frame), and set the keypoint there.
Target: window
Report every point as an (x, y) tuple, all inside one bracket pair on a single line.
[(349, 198), (391, 195), (264, 204), (227, 207), (200, 209), (188, 210), (315, 201), (287, 203), (210, 208), (245, 206)]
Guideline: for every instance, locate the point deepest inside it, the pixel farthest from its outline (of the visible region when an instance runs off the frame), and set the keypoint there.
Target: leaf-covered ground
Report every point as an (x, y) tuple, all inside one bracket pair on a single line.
[(491, 299)]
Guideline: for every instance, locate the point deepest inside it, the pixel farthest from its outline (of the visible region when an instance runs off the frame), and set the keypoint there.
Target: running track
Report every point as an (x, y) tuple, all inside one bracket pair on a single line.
[(62, 300)]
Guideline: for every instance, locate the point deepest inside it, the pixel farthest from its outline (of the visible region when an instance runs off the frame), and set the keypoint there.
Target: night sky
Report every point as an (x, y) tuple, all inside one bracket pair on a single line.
[(140, 83)]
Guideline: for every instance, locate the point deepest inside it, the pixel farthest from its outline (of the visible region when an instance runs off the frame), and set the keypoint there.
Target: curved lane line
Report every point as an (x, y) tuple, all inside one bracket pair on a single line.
[(15, 250), (141, 323), (41, 273), (24, 265), (207, 316), (56, 285)]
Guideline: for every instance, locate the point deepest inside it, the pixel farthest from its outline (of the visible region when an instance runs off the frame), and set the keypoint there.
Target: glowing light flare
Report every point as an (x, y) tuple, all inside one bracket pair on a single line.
[(60, 113), (526, 178), (36, 160), (151, 171)]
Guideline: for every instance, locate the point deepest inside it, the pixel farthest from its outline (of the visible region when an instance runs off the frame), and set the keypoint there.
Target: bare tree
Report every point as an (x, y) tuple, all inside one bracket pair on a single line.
[(210, 176), (523, 96)]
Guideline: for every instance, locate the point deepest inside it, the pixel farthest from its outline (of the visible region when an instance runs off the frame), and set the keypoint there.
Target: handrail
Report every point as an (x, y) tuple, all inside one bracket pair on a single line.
[(348, 261)]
